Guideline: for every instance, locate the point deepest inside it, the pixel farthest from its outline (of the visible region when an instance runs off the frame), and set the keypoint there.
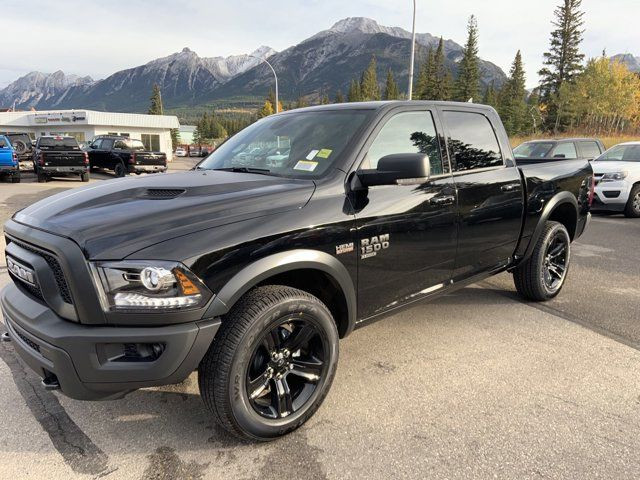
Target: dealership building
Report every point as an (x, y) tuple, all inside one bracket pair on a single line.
[(153, 130)]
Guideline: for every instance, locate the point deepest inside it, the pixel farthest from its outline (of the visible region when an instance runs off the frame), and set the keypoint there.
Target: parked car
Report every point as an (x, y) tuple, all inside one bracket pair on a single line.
[(180, 152), (194, 151), (56, 156), (617, 177), (562, 149), (124, 155), (22, 144), (252, 275), (204, 151), (9, 163)]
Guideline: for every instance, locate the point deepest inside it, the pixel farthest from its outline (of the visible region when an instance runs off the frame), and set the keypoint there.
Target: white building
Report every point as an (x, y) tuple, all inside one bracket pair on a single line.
[(153, 130)]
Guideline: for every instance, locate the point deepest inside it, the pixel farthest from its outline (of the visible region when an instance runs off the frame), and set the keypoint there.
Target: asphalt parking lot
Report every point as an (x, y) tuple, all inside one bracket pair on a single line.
[(477, 384)]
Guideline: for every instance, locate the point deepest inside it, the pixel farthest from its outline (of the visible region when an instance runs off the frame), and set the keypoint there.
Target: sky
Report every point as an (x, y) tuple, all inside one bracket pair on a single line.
[(98, 38)]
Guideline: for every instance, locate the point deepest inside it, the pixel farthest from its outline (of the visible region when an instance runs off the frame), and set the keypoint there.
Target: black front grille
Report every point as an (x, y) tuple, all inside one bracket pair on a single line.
[(33, 345), (34, 290), (55, 267)]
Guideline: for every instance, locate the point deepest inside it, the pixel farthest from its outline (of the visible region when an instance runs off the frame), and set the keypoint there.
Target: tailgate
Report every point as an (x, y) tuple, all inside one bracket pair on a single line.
[(63, 159), (151, 158)]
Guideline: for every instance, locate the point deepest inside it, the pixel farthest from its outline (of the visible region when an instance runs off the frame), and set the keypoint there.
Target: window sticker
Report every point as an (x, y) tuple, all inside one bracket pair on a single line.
[(312, 154), (324, 153), (305, 166)]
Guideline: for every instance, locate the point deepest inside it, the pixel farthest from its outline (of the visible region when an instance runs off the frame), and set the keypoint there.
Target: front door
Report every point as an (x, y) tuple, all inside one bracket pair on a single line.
[(406, 234)]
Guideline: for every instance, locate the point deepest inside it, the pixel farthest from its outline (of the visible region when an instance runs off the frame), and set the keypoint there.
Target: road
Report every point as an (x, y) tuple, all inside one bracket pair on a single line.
[(477, 384)]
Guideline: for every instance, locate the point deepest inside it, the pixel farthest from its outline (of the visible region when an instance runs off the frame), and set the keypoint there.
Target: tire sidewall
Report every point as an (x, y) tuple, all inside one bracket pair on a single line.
[(631, 211), (246, 417), (557, 229)]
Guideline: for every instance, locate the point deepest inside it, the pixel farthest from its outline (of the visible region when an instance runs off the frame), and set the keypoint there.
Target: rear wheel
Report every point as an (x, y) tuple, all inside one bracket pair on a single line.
[(42, 178), (632, 209), (84, 177), (120, 170), (271, 364), (15, 179), (542, 276)]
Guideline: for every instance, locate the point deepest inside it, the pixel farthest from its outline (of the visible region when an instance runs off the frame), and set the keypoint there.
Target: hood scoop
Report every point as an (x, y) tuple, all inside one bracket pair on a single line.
[(162, 193)]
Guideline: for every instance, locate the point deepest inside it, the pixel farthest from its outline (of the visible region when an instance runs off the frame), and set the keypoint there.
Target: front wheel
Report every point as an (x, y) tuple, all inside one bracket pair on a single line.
[(271, 363), (632, 209), (15, 179), (543, 274)]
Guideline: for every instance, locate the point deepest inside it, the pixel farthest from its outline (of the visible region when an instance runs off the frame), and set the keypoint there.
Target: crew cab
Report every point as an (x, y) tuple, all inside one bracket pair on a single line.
[(250, 270), (124, 155), (9, 162), (561, 149), (617, 177), (56, 156)]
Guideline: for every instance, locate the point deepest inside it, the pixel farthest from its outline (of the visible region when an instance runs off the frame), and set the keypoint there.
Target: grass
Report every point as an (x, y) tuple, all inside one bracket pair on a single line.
[(608, 141)]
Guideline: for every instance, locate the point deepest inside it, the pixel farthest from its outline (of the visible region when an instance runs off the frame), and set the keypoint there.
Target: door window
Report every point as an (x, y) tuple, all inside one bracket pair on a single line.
[(407, 132), (565, 150), (590, 149), (472, 141), (97, 144), (107, 144)]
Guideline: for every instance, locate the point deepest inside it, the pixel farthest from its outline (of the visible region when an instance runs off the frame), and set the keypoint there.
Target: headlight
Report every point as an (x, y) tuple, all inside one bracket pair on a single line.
[(148, 285), (613, 177)]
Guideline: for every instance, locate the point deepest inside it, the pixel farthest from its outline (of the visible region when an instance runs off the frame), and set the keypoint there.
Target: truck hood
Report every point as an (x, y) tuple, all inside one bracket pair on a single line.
[(115, 218)]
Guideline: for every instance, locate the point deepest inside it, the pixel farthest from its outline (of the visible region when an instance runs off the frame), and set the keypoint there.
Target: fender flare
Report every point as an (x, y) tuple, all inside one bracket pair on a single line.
[(266, 267), (555, 201)]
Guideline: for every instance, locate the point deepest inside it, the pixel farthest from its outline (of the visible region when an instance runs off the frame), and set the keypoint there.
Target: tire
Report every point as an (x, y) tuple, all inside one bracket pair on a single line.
[(42, 178), (120, 170), (632, 209), (20, 147), (84, 177), (15, 179), (240, 351), (542, 275)]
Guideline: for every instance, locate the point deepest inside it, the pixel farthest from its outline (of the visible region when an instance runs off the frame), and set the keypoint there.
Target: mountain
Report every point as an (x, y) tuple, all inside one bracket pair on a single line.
[(38, 87), (629, 60), (325, 62), (329, 60)]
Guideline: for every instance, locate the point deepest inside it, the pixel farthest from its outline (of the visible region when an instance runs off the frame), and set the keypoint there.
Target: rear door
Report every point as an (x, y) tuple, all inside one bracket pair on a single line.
[(95, 154), (565, 151), (489, 188), (406, 233)]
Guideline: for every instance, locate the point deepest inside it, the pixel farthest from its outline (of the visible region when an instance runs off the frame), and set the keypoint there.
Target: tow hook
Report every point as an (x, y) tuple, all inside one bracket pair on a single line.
[(5, 337), (51, 383)]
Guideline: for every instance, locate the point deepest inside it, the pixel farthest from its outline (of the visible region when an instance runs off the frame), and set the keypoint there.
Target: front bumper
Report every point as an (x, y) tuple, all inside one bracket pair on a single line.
[(75, 353), (147, 168), (9, 170), (611, 196)]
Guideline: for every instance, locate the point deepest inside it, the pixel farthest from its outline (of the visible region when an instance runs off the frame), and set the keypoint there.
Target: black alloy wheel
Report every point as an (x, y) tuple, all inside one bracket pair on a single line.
[(120, 170), (555, 261), (286, 367)]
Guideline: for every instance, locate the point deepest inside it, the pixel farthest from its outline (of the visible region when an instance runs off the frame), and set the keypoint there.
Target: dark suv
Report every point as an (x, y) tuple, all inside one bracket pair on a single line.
[(124, 155), (22, 145), (562, 149)]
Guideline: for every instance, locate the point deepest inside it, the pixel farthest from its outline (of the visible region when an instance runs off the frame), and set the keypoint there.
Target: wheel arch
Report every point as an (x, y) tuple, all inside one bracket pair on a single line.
[(562, 208), (311, 270)]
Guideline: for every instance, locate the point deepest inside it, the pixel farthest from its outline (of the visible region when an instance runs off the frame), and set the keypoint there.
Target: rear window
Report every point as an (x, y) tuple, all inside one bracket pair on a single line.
[(533, 150), (589, 149), (69, 143)]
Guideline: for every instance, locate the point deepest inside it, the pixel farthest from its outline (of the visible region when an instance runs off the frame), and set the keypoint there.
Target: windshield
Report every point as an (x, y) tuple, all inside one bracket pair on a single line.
[(296, 145), (50, 143), (533, 150), (624, 153)]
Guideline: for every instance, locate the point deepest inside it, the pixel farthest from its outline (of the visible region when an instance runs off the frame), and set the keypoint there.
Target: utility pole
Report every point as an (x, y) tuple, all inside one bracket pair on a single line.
[(413, 49), (274, 76)]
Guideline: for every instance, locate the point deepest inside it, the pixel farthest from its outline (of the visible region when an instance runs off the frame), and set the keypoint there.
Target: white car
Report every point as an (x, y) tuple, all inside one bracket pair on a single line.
[(181, 152), (617, 176)]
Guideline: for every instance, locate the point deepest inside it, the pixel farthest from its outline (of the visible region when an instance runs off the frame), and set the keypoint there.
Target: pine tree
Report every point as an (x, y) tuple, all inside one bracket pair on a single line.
[(339, 97), (563, 61), (491, 95), (443, 82), (512, 105), (266, 110), (424, 75), (354, 94), (468, 83), (391, 88), (156, 101), (369, 88), (175, 138)]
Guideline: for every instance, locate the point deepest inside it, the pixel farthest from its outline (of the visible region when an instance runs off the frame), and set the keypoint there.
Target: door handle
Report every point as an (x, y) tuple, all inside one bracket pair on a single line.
[(446, 200), (510, 187)]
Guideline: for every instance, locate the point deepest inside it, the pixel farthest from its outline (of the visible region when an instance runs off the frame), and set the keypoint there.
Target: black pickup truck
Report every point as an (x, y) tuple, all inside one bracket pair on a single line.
[(251, 274), (56, 156), (124, 155)]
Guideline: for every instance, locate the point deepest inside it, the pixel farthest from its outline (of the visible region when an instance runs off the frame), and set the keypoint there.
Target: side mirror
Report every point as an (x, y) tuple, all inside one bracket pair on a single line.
[(396, 169), (560, 155)]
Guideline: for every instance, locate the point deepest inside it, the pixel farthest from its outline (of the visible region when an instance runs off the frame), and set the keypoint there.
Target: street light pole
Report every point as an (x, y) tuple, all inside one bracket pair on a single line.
[(274, 76), (413, 48)]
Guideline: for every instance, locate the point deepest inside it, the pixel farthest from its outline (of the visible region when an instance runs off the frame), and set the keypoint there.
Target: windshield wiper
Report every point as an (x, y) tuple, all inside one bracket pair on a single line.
[(262, 171)]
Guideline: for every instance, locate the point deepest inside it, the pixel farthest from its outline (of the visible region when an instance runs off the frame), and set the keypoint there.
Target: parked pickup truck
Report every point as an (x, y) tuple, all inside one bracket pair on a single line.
[(554, 150), (251, 275), (124, 155), (56, 156), (9, 162)]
